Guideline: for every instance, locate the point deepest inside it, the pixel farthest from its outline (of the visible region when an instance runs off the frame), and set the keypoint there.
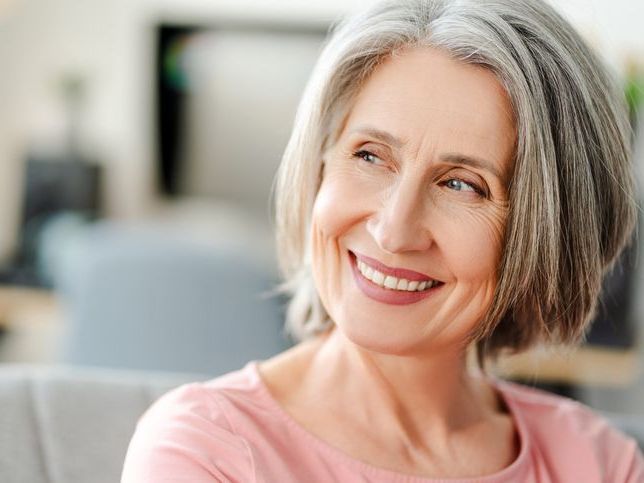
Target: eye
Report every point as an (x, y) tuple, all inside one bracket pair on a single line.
[(457, 184), (367, 156)]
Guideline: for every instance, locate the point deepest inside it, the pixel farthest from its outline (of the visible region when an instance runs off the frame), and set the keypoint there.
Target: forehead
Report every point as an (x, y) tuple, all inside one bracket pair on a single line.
[(421, 95)]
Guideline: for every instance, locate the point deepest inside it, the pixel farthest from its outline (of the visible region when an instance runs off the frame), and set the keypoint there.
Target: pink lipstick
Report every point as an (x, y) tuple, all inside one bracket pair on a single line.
[(394, 272), (386, 295)]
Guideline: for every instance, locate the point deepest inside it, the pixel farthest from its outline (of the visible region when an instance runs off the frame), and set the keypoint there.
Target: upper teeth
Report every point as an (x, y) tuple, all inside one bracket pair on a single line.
[(387, 281)]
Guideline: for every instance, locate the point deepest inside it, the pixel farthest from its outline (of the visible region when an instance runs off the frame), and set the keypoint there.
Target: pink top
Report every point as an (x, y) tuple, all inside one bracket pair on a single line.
[(230, 429)]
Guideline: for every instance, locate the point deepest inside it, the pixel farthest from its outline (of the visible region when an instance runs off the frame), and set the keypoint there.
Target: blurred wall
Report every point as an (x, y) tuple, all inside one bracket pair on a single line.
[(109, 43)]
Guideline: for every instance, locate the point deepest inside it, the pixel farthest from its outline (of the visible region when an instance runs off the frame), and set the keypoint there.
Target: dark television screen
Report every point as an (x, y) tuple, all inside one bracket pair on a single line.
[(226, 98)]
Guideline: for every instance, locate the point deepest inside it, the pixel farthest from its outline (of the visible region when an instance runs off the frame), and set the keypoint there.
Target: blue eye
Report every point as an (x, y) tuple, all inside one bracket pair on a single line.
[(460, 185), (367, 156)]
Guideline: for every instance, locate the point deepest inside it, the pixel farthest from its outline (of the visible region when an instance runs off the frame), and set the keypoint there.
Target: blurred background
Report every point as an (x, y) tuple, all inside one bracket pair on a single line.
[(138, 144)]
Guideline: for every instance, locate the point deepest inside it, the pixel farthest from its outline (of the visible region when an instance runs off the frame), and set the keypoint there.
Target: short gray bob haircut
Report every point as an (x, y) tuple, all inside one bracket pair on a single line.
[(571, 193)]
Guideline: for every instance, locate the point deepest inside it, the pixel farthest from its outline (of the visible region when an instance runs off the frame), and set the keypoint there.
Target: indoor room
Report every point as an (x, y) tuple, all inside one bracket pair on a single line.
[(140, 196)]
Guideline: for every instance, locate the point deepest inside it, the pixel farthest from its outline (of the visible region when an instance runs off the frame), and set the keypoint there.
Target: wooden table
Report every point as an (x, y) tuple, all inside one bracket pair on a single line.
[(32, 322), (16, 300), (586, 365)]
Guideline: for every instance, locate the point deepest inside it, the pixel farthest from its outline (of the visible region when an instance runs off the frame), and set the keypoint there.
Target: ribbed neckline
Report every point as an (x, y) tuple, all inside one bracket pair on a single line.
[(506, 474)]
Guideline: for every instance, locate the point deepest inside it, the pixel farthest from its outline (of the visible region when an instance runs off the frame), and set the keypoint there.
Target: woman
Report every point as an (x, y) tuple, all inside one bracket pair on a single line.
[(457, 180)]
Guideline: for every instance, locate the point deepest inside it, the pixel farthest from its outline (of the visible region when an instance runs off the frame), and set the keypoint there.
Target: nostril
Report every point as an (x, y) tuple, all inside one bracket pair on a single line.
[(402, 240), (396, 233)]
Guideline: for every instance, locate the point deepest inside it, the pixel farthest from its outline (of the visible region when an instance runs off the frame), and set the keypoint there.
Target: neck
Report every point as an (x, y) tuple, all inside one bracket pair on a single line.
[(400, 394)]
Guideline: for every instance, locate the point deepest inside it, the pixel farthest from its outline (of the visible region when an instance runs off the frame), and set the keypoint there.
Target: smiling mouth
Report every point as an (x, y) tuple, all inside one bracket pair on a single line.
[(392, 282)]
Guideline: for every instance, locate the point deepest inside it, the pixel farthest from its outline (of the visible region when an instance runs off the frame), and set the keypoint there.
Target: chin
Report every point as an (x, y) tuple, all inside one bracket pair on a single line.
[(383, 340)]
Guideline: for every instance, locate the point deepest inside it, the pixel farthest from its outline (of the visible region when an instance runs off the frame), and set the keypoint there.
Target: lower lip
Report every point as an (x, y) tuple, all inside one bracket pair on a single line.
[(384, 295)]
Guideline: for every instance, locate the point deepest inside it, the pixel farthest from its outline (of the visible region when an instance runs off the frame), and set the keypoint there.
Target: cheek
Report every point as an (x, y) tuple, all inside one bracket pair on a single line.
[(342, 200), (473, 242), (328, 222), (471, 245), (326, 219)]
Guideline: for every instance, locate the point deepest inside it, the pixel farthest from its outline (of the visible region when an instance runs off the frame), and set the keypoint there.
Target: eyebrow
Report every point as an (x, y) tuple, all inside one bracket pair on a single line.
[(454, 158), (383, 136), (472, 161)]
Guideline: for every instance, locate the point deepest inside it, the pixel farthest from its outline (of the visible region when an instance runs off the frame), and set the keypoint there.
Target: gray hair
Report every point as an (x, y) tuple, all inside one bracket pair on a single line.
[(571, 193)]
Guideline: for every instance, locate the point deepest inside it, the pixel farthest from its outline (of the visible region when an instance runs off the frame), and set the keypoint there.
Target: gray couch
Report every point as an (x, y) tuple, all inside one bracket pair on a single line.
[(68, 425)]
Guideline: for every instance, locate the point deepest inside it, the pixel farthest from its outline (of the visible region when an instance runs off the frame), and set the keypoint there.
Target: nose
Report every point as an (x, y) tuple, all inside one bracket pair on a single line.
[(401, 223)]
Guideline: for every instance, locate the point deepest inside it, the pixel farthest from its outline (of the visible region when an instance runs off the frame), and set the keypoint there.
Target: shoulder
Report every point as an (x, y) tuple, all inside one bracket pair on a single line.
[(564, 429), (189, 435)]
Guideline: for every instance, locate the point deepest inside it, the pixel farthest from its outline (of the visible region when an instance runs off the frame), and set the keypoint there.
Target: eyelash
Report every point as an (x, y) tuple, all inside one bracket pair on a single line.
[(362, 154), (474, 187)]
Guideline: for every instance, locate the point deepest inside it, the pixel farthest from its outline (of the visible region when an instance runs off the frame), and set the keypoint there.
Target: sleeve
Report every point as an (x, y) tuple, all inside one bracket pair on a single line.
[(635, 465), (625, 462), (619, 454), (186, 437)]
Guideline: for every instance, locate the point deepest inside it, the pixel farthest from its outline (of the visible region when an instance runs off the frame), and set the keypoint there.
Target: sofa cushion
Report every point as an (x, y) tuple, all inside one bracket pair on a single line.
[(62, 424)]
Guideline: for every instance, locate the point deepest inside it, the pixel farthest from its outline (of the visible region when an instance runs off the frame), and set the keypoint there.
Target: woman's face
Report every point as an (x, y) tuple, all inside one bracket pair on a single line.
[(414, 196)]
